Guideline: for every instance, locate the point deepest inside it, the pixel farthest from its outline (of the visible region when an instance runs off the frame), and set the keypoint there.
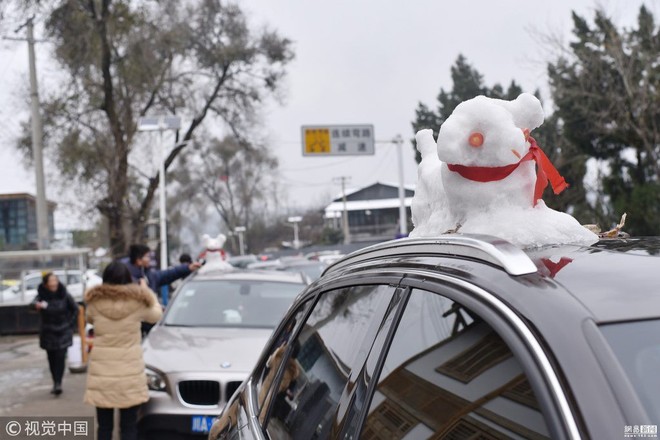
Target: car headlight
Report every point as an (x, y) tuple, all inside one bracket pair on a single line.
[(155, 380)]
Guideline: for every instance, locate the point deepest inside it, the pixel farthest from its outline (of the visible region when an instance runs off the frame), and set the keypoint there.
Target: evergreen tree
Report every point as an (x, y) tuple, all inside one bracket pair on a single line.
[(606, 93)]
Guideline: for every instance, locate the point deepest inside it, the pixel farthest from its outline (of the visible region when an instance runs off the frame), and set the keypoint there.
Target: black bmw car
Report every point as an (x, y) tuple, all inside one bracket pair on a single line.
[(464, 337)]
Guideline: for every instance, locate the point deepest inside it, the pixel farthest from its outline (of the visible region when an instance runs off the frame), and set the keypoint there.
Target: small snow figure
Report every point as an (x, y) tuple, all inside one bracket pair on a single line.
[(488, 176), (215, 257)]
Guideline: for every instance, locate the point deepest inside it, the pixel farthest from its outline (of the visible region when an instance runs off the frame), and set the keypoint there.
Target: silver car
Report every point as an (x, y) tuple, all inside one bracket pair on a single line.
[(207, 343)]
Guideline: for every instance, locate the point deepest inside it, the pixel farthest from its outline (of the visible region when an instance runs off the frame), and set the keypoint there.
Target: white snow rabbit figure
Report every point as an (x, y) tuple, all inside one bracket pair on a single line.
[(214, 255), (491, 177)]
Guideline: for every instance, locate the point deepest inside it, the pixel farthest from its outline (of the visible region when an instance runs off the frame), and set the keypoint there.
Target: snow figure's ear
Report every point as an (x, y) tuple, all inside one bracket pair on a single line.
[(221, 239), (526, 110)]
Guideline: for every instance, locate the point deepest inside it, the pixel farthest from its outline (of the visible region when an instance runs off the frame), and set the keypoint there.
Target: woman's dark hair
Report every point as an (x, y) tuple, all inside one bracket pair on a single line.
[(137, 251), (117, 273), (185, 258), (47, 275)]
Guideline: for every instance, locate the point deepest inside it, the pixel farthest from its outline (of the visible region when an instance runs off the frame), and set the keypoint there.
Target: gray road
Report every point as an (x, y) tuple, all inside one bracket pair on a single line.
[(25, 382)]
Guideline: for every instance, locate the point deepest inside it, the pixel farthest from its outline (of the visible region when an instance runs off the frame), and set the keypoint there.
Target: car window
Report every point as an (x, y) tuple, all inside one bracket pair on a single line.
[(231, 303), (32, 283), (268, 371), (449, 375), (332, 342), (73, 278), (637, 347)]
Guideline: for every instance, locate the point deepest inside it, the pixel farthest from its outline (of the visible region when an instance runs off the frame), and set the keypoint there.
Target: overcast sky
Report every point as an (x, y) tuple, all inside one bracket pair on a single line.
[(360, 62)]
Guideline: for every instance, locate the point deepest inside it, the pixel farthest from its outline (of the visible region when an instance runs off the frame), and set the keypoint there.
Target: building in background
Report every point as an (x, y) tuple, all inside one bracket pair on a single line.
[(373, 211), (18, 221)]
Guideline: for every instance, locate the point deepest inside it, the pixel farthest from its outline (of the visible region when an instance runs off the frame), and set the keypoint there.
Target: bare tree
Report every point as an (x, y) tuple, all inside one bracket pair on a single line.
[(121, 60)]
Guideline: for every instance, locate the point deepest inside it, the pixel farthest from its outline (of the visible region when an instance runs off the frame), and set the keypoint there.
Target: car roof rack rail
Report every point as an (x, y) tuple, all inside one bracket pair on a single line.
[(494, 250)]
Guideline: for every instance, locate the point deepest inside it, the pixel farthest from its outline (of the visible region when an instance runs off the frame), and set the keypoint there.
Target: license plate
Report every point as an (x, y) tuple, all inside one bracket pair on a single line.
[(202, 423)]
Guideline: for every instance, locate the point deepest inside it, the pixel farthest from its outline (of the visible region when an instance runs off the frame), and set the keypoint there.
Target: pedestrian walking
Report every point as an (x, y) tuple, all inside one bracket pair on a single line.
[(115, 377), (58, 312)]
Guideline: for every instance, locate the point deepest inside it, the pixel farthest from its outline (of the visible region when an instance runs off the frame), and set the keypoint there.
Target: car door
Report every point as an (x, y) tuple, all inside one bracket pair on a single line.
[(306, 376), (451, 371), (252, 397)]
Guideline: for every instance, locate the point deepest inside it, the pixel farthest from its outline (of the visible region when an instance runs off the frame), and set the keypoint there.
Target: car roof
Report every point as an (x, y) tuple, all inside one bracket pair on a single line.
[(613, 279), (249, 274)]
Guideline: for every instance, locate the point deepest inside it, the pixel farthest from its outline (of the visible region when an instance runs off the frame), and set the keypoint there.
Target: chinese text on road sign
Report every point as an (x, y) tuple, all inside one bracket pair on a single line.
[(337, 140)]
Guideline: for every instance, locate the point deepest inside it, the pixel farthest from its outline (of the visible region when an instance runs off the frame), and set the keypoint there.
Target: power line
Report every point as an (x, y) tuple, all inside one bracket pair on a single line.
[(317, 166), (300, 182)]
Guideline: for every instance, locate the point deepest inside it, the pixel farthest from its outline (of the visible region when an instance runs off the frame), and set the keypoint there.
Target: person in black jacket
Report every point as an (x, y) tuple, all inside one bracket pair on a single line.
[(58, 312)]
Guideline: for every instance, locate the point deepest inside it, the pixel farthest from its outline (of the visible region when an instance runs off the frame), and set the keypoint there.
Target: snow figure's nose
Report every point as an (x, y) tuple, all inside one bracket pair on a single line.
[(476, 139)]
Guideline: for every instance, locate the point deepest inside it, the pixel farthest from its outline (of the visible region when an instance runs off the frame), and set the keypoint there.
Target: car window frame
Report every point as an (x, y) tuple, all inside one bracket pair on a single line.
[(398, 307), (359, 366), (388, 279), (471, 296), (309, 303)]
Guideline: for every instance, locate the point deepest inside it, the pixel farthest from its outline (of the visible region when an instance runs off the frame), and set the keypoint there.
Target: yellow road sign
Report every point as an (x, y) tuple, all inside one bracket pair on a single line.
[(317, 141)]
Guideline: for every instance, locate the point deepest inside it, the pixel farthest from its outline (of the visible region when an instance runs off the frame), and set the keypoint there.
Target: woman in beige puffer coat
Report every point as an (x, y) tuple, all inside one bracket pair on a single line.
[(116, 377)]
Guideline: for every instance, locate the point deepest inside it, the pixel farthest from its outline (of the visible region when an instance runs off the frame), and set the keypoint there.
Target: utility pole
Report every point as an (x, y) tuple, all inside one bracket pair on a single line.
[(43, 229), (347, 233), (403, 220)]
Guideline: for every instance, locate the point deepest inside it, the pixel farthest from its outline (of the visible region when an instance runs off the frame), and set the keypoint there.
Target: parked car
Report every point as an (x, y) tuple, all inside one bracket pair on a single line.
[(265, 265), (463, 337), (73, 280), (241, 261), (310, 268), (207, 343)]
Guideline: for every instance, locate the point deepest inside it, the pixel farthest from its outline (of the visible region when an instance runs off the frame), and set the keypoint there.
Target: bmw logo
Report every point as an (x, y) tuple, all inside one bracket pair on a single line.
[(225, 364)]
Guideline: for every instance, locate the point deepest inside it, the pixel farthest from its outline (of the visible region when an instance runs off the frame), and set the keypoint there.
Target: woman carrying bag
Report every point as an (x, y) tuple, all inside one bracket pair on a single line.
[(58, 312), (115, 375)]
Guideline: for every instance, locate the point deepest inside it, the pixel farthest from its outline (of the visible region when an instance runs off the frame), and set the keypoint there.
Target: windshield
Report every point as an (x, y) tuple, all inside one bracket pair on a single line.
[(637, 347), (235, 303)]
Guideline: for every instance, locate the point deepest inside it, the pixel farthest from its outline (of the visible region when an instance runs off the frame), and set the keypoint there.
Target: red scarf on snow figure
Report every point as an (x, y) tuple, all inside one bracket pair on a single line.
[(544, 171), (222, 252)]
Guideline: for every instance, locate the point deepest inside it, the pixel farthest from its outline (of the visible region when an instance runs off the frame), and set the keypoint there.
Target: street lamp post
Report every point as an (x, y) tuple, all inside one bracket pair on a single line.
[(295, 220), (240, 230), (160, 124)]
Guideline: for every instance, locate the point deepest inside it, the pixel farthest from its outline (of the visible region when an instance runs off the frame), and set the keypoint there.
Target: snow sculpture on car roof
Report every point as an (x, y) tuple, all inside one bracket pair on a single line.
[(487, 175), (214, 255)]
